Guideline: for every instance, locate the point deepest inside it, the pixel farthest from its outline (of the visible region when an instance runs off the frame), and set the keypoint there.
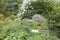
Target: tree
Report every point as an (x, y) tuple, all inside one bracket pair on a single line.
[(38, 7), (9, 7), (49, 9)]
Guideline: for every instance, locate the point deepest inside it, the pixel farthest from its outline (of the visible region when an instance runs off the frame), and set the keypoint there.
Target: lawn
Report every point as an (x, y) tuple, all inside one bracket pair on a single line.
[(41, 36)]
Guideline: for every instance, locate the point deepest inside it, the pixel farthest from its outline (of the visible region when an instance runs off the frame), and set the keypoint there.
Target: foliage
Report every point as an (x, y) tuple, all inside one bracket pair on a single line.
[(13, 17), (43, 26), (38, 7), (49, 9), (20, 31), (13, 30), (1, 16), (9, 7), (34, 25), (54, 20), (42, 36)]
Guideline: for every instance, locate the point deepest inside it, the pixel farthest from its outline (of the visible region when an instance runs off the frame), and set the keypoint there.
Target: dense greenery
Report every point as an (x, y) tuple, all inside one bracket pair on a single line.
[(42, 36), (12, 30), (9, 7), (13, 27), (49, 9)]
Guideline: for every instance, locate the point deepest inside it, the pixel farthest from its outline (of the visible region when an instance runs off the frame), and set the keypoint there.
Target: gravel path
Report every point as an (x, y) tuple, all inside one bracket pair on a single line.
[(33, 30)]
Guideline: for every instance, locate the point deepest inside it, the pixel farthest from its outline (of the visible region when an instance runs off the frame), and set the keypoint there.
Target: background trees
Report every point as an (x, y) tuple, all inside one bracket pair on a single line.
[(9, 7), (49, 9)]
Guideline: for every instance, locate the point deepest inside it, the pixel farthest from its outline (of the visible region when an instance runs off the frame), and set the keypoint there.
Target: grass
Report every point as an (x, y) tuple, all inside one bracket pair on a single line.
[(41, 36)]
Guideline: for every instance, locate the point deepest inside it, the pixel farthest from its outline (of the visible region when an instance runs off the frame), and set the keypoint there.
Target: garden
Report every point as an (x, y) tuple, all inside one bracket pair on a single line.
[(29, 20)]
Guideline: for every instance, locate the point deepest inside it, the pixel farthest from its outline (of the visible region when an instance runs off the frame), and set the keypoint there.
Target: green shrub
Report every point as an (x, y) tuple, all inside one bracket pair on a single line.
[(14, 30), (13, 17), (1, 16)]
